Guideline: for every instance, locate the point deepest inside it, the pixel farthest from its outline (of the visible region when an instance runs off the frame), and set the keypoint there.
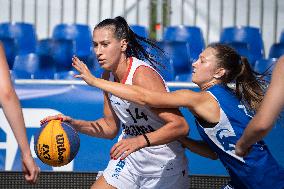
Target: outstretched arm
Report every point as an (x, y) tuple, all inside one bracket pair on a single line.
[(13, 112), (138, 94), (268, 112)]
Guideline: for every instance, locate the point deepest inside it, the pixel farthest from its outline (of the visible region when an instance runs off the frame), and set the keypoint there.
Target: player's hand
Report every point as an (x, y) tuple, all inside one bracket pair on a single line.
[(241, 151), (30, 169), (84, 72), (126, 146), (58, 116)]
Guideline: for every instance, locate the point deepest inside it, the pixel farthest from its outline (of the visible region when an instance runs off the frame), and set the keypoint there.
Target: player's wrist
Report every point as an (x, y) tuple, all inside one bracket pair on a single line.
[(146, 139), (141, 142)]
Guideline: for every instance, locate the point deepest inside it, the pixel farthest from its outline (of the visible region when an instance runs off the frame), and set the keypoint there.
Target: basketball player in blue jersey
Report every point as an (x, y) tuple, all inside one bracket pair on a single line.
[(147, 154), (221, 113), (10, 104), (268, 112)]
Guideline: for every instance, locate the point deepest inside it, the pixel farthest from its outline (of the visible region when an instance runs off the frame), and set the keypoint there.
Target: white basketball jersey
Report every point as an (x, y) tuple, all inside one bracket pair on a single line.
[(162, 160)]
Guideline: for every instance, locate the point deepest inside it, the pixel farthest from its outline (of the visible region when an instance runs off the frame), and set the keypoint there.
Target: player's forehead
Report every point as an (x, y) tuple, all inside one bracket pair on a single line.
[(103, 34)]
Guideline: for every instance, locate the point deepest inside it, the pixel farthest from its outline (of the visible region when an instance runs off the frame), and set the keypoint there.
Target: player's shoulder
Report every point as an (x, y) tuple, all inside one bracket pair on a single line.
[(148, 77)]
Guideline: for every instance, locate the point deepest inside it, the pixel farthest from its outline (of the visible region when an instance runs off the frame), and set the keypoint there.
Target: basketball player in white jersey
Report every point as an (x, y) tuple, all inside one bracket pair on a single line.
[(147, 154)]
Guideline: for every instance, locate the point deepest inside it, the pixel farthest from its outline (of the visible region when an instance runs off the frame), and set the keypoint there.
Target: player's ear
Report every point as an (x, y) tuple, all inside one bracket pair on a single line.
[(123, 44), (220, 72)]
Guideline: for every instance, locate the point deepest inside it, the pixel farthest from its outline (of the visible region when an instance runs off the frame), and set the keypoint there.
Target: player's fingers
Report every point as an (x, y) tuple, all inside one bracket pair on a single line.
[(121, 151), (76, 66), (125, 154), (36, 174), (115, 149), (78, 76)]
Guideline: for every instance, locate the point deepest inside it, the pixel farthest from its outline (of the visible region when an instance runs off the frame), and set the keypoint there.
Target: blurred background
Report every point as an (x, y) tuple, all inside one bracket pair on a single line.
[(41, 36)]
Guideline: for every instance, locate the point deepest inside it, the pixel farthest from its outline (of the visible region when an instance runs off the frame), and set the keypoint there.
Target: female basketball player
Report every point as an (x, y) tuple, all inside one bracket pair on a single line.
[(268, 112), (221, 113), (12, 110), (147, 154)]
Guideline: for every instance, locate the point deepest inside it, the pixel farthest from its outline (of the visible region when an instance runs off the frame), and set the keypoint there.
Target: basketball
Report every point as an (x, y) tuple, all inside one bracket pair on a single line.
[(56, 143)]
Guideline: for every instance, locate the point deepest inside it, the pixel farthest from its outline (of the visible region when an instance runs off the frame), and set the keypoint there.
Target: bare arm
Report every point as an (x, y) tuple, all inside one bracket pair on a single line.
[(106, 127), (139, 94), (199, 147), (200, 103), (13, 112), (268, 112)]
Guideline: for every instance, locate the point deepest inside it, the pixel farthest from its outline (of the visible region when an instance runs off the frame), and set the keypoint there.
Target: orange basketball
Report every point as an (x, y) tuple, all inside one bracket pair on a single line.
[(56, 143)]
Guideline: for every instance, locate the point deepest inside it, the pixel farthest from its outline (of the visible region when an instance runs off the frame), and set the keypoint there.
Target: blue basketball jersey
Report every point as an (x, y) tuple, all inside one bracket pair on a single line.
[(258, 170)]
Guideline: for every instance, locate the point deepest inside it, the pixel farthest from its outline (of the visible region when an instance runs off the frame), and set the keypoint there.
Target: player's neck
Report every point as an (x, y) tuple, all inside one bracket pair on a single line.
[(208, 85), (122, 70)]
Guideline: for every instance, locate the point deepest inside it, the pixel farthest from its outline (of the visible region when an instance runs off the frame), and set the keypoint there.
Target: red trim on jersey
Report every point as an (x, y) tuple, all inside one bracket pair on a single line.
[(154, 71), (128, 70)]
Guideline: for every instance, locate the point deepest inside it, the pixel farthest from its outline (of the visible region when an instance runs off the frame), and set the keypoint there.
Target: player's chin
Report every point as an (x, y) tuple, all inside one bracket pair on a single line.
[(105, 67)]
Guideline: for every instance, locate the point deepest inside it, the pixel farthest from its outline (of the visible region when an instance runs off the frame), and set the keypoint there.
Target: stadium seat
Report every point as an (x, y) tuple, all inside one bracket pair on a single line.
[(23, 33), (10, 48), (82, 36), (56, 54), (265, 66), (276, 50), (140, 30), (247, 34), (26, 66), (243, 49), (192, 35), (178, 52), (167, 72)]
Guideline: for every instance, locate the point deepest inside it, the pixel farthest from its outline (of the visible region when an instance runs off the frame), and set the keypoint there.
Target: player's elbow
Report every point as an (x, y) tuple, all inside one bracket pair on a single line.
[(7, 94), (112, 134), (263, 128), (182, 127)]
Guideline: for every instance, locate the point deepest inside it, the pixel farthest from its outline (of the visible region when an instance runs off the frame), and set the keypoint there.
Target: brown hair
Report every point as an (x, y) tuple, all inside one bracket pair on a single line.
[(249, 85)]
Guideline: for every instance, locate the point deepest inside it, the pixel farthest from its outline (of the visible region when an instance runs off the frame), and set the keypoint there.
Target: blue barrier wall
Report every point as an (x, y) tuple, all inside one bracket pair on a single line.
[(83, 102)]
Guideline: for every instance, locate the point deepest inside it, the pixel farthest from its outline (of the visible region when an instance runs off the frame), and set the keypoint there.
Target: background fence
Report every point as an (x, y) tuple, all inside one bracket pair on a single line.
[(210, 15)]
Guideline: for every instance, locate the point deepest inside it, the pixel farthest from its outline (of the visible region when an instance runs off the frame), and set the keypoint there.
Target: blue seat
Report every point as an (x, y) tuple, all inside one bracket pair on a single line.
[(26, 66), (10, 48), (243, 49), (276, 50), (265, 66), (23, 33), (82, 36), (140, 30), (56, 54), (167, 70), (178, 52), (247, 34), (192, 35)]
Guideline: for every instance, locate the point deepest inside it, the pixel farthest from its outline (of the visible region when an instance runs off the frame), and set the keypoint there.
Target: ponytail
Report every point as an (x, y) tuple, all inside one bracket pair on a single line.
[(249, 86)]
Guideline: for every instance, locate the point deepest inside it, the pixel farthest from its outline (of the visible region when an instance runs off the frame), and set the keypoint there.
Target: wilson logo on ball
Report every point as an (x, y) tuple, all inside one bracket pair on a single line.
[(56, 143)]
